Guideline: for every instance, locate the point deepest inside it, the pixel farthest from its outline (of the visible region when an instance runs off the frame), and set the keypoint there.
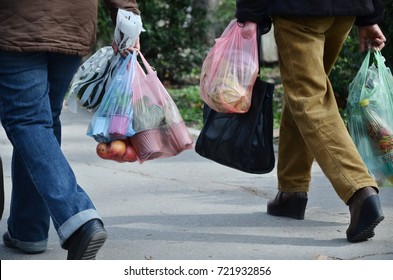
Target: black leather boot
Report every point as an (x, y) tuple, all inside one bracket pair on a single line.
[(366, 214), (288, 204), (85, 243)]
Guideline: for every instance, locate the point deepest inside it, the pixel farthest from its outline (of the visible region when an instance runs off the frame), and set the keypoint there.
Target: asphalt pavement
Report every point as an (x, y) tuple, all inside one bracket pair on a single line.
[(189, 208)]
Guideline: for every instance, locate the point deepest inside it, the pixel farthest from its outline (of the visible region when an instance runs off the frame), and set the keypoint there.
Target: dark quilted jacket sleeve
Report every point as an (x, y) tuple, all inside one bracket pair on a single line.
[(374, 18), (251, 10), (114, 5)]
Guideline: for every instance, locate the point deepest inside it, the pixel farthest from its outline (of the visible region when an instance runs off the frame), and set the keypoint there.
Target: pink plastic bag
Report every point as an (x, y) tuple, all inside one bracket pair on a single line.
[(160, 129), (229, 71)]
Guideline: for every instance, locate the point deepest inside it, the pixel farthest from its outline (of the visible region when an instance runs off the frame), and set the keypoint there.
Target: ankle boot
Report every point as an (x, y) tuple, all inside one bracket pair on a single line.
[(366, 214), (288, 204)]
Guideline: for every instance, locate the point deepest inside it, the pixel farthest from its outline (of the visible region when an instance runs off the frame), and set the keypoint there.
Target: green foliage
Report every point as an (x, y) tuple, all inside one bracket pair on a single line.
[(190, 105), (105, 27), (220, 17), (271, 73), (175, 37), (387, 28), (346, 67)]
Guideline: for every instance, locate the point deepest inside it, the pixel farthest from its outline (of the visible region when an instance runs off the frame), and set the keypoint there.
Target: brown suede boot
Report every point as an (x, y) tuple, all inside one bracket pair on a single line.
[(366, 214), (288, 204)]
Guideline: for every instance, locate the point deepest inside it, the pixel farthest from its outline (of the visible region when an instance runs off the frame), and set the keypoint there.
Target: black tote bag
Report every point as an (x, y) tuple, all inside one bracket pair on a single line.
[(242, 141)]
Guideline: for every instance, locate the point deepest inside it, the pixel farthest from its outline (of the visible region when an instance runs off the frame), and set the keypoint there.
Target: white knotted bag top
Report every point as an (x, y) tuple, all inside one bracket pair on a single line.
[(128, 28)]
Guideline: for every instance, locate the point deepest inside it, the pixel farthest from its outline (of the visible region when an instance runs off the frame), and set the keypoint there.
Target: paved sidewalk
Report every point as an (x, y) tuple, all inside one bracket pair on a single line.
[(189, 208)]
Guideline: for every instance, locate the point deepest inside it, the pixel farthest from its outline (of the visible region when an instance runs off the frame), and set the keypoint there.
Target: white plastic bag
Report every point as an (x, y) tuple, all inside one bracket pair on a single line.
[(91, 80), (128, 28)]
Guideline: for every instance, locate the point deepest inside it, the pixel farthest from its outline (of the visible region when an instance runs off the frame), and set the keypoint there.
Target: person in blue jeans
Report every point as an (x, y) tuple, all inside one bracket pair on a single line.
[(41, 46)]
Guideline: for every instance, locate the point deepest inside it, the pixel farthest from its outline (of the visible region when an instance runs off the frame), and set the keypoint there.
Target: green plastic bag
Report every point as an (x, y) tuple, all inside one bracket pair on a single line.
[(370, 116)]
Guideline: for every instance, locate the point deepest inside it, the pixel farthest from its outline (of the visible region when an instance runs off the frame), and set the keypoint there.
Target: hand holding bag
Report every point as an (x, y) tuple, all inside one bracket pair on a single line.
[(127, 30), (241, 141)]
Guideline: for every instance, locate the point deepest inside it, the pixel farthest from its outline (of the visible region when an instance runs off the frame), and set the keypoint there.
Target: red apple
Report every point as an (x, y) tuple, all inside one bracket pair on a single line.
[(130, 154), (117, 149), (102, 150)]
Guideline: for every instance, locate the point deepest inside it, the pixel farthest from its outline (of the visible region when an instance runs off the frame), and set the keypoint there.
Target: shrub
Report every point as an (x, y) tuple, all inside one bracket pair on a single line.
[(175, 37), (105, 27), (387, 28), (190, 105)]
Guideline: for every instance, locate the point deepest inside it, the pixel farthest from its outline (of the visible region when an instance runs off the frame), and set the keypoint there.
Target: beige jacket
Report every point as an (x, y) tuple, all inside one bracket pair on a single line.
[(63, 26)]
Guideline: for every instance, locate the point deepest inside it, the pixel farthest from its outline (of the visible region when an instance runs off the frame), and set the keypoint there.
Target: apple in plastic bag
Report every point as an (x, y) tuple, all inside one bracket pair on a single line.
[(117, 149), (102, 150), (130, 154)]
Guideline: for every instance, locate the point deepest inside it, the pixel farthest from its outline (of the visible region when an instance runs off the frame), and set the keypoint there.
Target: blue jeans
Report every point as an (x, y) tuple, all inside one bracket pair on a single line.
[(32, 90)]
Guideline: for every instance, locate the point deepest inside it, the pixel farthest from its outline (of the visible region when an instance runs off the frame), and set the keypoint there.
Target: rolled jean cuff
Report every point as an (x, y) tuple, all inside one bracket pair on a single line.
[(29, 247), (75, 222)]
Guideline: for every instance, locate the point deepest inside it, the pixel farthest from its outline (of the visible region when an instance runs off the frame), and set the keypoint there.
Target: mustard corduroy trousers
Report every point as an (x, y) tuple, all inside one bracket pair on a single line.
[(311, 126)]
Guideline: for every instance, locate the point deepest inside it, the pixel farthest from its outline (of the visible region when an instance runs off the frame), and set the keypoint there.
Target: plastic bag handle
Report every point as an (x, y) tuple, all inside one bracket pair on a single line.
[(262, 28), (366, 63), (131, 64), (149, 69), (380, 61)]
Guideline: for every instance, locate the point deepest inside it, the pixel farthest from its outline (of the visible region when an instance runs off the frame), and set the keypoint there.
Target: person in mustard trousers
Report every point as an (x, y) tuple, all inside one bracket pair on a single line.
[(309, 37)]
